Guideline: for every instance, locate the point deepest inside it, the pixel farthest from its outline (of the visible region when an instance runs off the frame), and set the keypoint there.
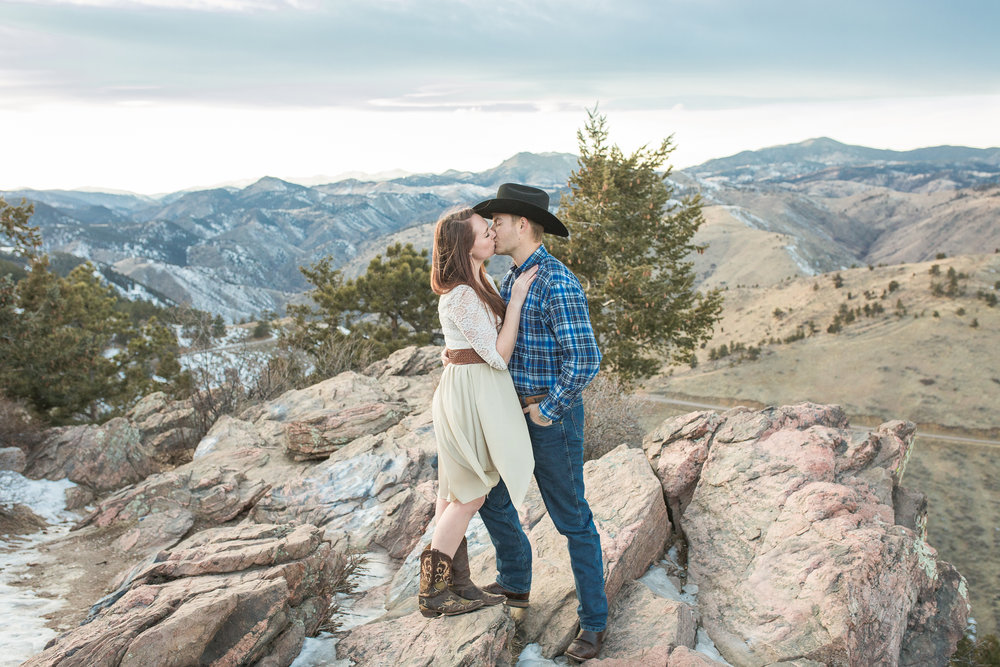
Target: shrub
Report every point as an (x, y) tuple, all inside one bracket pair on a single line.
[(345, 567), (261, 330), (19, 427), (610, 418), (799, 334), (229, 382), (976, 652)]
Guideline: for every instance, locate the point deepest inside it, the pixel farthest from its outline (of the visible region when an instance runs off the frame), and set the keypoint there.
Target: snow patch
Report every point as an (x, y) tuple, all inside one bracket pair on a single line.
[(22, 613), (45, 498), (800, 261), (531, 656)]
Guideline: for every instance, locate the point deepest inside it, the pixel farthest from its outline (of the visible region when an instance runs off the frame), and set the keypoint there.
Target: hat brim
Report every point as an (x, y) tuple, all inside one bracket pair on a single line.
[(549, 222)]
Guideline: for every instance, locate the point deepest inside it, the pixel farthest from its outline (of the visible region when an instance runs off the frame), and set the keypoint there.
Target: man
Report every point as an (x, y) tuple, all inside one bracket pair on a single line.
[(555, 357)]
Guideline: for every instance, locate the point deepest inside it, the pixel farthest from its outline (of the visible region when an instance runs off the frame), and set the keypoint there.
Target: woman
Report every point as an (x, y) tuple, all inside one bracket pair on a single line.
[(480, 430)]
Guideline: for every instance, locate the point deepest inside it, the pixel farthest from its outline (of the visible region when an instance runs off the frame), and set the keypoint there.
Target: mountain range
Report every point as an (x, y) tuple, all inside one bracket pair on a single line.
[(793, 210)]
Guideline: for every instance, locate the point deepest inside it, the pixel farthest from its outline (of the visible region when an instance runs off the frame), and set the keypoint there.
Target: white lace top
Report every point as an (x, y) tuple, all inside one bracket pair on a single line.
[(468, 322)]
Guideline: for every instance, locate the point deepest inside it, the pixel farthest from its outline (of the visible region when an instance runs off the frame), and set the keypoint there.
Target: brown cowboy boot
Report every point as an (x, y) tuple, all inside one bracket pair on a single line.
[(586, 646), (518, 600), (436, 596), (462, 578)]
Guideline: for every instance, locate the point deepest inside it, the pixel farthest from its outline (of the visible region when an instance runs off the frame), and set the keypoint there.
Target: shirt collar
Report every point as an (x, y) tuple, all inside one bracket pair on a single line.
[(534, 258)]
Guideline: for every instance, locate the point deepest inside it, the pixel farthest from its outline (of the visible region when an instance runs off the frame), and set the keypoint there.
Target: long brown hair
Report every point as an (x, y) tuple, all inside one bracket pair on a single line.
[(451, 266)]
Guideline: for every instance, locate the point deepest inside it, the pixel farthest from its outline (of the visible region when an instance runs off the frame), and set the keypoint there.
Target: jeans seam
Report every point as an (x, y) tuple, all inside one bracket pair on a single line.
[(516, 526), (572, 473)]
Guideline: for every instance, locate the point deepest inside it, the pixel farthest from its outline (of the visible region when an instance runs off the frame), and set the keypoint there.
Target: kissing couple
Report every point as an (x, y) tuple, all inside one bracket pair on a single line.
[(508, 405)]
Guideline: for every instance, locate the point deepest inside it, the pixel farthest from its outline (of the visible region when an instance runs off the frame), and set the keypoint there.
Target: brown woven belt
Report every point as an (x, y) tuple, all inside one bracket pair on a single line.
[(467, 356), (528, 400)]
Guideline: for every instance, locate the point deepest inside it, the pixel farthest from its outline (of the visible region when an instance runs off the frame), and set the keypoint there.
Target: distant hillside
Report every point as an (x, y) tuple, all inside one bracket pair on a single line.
[(237, 251), (820, 206), (907, 350), (781, 163), (771, 215)]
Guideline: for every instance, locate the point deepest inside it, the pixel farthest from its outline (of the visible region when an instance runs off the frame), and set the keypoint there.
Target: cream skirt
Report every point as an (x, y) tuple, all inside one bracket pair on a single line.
[(481, 434)]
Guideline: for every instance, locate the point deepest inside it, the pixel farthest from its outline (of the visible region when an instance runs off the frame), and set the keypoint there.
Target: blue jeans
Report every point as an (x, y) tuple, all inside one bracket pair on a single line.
[(558, 451)]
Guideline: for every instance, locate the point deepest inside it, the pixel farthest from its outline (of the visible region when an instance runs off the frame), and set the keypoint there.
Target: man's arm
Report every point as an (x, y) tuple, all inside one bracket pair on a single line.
[(567, 315)]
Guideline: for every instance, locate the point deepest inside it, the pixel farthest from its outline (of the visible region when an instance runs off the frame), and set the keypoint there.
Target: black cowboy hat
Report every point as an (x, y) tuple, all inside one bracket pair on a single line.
[(524, 200)]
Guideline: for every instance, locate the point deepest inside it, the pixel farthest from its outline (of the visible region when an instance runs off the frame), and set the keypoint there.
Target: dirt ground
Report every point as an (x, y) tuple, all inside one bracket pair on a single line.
[(79, 568)]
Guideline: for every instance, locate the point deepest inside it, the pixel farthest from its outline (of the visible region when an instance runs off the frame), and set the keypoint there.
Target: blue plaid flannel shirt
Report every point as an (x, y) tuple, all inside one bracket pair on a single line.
[(556, 351)]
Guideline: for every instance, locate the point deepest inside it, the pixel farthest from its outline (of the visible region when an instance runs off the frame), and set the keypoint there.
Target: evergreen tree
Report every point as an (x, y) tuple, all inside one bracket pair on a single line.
[(56, 332), (14, 225), (150, 363), (67, 349), (218, 327), (630, 247), (261, 330), (390, 306)]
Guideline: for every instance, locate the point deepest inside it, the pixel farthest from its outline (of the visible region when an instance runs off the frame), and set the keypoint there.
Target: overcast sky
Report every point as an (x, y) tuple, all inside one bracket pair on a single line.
[(159, 95)]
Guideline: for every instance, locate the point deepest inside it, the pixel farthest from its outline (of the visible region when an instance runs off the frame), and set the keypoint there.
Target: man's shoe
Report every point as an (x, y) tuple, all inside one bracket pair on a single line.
[(461, 579), (586, 645), (513, 599)]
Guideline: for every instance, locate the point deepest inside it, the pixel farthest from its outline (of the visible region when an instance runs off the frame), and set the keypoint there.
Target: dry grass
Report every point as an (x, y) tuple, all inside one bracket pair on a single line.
[(610, 418), (345, 567), (930, 370)]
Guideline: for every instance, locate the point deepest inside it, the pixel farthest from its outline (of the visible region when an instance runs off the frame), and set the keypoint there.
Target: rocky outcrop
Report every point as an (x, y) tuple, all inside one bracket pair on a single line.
[(407, 362), (169, 427), (647, 627), (156, 435), (163, 508), (325, 416), (103, 458), (13, 459), (326, 433), (229, 596), (631, 518), (369, 494), (377, 492), (800, 543), (632, 521), (480, 638), (793, 539)]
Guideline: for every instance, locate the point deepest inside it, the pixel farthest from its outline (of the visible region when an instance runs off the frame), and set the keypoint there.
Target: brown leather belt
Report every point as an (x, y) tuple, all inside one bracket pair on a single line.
[(466, 356), (528, 400)]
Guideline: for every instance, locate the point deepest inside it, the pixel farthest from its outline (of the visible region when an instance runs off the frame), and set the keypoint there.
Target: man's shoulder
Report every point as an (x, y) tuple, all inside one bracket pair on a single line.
[(556, 273)]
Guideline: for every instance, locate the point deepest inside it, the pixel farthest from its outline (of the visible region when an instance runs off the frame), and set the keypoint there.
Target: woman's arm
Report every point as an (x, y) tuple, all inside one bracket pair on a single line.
[(475, 322), (512, 319)]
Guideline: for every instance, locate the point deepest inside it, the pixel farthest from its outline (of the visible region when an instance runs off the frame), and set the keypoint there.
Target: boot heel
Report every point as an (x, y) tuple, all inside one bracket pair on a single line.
[(429, 613)]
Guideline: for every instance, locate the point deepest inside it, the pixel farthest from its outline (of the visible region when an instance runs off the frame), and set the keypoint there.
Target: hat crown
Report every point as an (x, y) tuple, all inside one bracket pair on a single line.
[(525, 193), (524, 200)]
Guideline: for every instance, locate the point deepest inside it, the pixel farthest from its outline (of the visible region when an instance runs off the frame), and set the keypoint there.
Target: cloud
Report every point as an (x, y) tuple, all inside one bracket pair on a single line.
[(384, 55), (190, 5)]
